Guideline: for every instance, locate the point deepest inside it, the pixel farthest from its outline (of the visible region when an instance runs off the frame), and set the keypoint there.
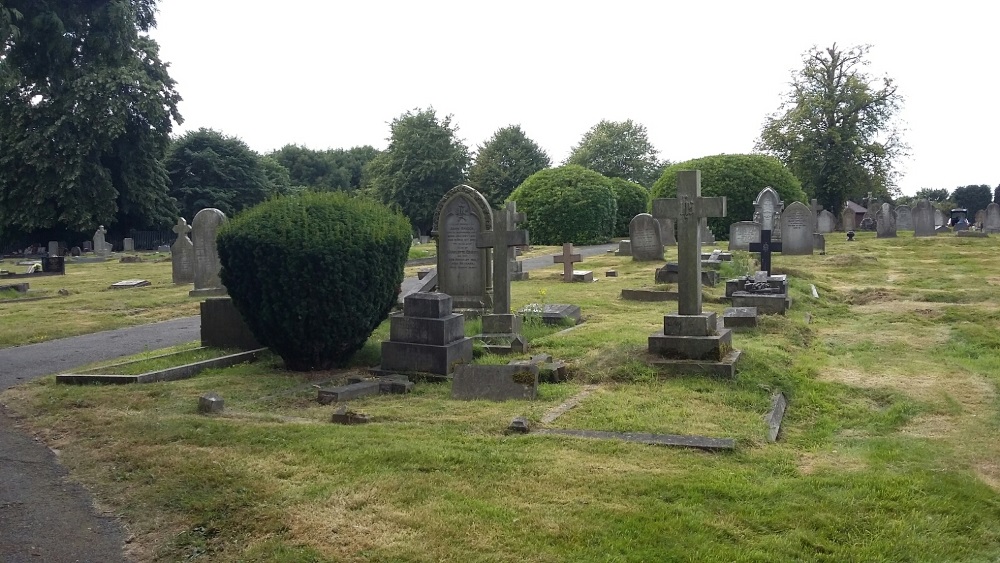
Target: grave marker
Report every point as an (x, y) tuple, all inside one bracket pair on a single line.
[(646, 238), (992, 222), (182, 254), (205, 228), (923, 219), (826, 222), (767, 211), (797, 230), (567, 259), (885, 222), (904, 218), (463, 268), (765, 247), (742, 234), (101, 247)]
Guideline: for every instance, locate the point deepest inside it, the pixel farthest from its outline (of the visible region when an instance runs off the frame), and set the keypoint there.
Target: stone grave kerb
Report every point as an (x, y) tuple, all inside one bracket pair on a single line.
[(567, 259), (688, 208)]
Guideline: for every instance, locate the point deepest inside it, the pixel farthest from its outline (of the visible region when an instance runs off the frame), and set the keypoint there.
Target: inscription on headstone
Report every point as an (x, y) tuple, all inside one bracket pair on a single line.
[(464, 269), (742, 234), (647, 242), (797, 230)]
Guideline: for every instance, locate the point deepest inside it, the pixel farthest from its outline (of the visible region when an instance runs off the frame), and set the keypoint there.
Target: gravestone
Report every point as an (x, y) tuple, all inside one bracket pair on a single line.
[(54, 264), (765, 247), (816, 208), (992, 222), (847, 218), (885, 222), (88, 246), (204, 229), (567, 259), (939, 218), (767, 211), (552, 313), (495, 383), (797, 230), (75, 251), (742, 234), (667, 231), (101, 247), (53, 248), (923, 219), (624, 248), (128, 245), (502, 325), (707, 236), (464, 270), (826, 222), (867, 223), (645, 237), (182, 254), (426, 337), (980, 218), (904, 218)]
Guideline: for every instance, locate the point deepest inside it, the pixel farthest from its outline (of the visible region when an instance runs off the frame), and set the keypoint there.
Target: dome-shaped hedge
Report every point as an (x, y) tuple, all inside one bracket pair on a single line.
[(567, 204), (632, 199), (739, 177), (314, 275)]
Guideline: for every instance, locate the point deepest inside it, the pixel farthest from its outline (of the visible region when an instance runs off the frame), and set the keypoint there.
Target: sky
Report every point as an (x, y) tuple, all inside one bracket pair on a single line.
[(700, 76)]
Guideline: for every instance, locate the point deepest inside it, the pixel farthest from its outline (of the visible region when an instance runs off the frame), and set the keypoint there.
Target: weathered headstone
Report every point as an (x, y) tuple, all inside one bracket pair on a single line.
[(904, 218), (54, 264), (182, 254), (495, 383), (667, 231), (847, 218), (826, 222), (885, 222), (992, 222), (742, 233), (128, 245), (939, 218), (567, 259), (767, 211), (127, 284), (707, 236), (101, 247), (464, 270), (204, 230), (923, 219), (624, 248), (645, 237), (980, 218), (797, 230), (53, 248)]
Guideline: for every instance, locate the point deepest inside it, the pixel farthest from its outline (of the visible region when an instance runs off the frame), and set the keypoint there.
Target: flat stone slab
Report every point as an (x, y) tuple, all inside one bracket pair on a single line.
[(348, 392), (611, 274), (778, 405), (708, 277), (18, 287), (740, 317), (495, 383), (725, 368), (700, 442), (971, 234), (583, 275), (552, 313), (766, 303), (170, 374), (573, 401), (649, 295)]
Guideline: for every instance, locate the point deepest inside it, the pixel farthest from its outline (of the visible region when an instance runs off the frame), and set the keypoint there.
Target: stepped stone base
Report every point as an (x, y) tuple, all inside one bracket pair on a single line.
[(725, 367), (712, 348), (412, 357)]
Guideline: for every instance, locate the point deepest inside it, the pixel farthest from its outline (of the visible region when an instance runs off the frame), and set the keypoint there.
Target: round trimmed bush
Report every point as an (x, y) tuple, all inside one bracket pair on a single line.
[(739, 177), (632, 199), (567, 204), (313, 275)]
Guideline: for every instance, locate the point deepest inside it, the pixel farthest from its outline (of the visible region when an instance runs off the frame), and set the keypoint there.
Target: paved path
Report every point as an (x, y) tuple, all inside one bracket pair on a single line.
[(43, 516)]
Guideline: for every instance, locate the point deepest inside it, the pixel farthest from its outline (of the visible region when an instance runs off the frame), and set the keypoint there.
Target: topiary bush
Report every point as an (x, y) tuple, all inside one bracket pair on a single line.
[(632, 199), (313, 275), (567, 204), (739, 177)]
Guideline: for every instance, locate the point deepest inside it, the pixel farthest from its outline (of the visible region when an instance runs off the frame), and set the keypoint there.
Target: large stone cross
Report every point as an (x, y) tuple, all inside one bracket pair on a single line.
[(765, 247), (816, 207), (567, 259), (502, 238), (688, 208)]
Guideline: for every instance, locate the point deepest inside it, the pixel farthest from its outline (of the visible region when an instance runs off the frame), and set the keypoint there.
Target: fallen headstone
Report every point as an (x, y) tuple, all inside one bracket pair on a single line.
[(347, 392), (778, 405)]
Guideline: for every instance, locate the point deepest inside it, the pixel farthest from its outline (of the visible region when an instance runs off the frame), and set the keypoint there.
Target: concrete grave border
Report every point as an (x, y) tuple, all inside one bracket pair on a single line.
[(169, 374)]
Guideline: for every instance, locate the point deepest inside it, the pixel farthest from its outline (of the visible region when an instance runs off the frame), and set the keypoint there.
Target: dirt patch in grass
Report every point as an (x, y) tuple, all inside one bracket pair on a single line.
[(810, 463), (847, 260), (868, 295), (931, 426), (989, 473)]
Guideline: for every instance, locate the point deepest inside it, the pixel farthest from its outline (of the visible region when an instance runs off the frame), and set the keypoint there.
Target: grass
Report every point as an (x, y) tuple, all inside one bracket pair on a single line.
[(158, 360), (887, 453)]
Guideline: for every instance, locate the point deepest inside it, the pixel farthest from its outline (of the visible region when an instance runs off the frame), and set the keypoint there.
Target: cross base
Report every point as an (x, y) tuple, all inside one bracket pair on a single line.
[(725, 367)]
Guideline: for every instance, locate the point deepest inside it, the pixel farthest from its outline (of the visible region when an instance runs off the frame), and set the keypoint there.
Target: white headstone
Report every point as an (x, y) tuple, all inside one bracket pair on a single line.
[(742, 233), (101, 248), (939, 218), (797, 230), (129, 245), (205, 227)]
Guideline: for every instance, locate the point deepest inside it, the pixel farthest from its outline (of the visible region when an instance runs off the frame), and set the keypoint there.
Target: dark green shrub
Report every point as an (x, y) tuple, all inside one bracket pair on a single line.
[(567, 204), (739, 177), (313, 275), (632, 199)]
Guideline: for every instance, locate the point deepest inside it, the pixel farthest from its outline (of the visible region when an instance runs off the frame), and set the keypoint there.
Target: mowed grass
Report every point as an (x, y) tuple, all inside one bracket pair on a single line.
[(887, 453)]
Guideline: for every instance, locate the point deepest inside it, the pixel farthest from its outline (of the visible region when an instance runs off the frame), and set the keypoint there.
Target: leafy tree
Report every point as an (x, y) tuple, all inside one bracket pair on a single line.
[(932, 195), (504, 162), (567, 204), (424, 160), (972, 198), (996, 195), (329, 170), (631, 200), (836, 128), (86, 109), (209, 169), (618, 149), (279, 182)]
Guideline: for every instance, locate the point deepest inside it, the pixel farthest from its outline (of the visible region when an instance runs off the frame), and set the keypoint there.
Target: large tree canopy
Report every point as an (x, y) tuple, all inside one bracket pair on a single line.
[(836, 130), (504, 162), (618, 149), (973, 198), (86, 109), (329, 170), (424, 160)]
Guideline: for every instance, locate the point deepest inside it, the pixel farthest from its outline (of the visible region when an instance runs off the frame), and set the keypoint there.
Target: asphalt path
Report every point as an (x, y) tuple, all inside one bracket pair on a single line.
[(45, 517)]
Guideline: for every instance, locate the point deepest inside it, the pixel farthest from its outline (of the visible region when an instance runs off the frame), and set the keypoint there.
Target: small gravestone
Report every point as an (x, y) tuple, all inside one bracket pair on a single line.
[(552, 313), (742, 233), (126, 284), (980, 218), (848, 217), (904, 218), (463, 268), (767, 211), (344, 415), (128, 245), (101, 247), (351, 391), (624, 248), (583, 275), (611, 274), (518, 425), (426, 337), (707, 236), (495, 383), (992, 222), (923, 219), (826, 222), (567, 259), (885, 222), (939, 218), (867, 223), (76, 251), (53, 248), (645, 237), (819, 243), (797, 230), (182, 254), (740, 317), (210, 403), (54, 264), (88, 246), (204, 230)]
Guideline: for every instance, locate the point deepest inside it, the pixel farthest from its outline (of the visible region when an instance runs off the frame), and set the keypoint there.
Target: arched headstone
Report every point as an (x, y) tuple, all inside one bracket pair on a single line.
[(464, 271), (797, 229), (923, 219), (647, 240), (205, 228)]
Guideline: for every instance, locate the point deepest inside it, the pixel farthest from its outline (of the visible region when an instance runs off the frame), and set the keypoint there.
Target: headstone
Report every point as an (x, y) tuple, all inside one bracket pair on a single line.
[(54, 264), (742, 233), (707, 236), (885, 222), (847, 218), (904, 218), (667, 231), (819, 243), (101, 247), (645, 237), (426, 337), (567, 259), (739, 317), (128, 245), (992, 222), (53, 248), (204, 230), (670, 273), (88, 246), (163, 248), (867, 223), (495, 383), (126, 284), (765, 247), (816, 208), (222, 326), (797, 230), (75, 251), (923, 219), (502, 240), (767, 211), (980, 219), (182, 254), (939, 218), (464, 270), (211, 403), (826, 222), (552, 313), (624, 248), (583, 275), (344, 415)]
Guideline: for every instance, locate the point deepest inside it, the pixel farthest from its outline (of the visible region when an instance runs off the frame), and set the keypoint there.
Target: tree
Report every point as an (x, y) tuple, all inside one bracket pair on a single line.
[(996, 195), (504, 162), (836, 130), (209, 169), (279, 182), (329, 170), (932, 195), (618, 149), (86, 109), (424, 160), (567, 204), (631, 199), (973, 198)]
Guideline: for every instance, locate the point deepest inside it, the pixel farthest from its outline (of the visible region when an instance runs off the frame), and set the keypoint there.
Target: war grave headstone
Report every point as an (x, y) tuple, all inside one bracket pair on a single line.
[(904, 218), (797, 230), (690, 339), (826, 222), (885, 222), (742, 233), (464, 270), (992, 222), (502, 329), (923, 219), (767, 211), (128, 245), (645, 237), (182, 254), (101, 247), (427, 337), (204, 230), (567, 259)]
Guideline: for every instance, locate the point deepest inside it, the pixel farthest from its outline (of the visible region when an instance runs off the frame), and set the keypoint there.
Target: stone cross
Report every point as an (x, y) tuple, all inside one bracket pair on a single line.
[(816, 207), (181, 228), (765, 247), (502, 238), (567, 259), (688, 208)]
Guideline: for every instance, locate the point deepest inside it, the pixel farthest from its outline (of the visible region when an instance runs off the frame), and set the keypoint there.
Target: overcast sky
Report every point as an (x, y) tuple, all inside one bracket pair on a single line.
[(701, 76)]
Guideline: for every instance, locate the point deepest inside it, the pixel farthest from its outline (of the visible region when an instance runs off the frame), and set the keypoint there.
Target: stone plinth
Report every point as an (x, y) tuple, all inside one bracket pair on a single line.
[(427, 337), (739, 318), (775, 284), (495, 383), (766, 304), (691, 337)]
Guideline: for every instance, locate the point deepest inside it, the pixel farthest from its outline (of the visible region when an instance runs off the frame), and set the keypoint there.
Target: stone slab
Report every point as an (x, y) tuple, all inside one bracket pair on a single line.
[(552, 313), (347, 392), (211, 403), (406, 357), (427, 305), (699, 442), (426, 330), (18, 287), (495, 383), (775, 285), (739, 317), (649, 295), (971, 234), (555, 412), (170, 374), (712, 347), (778, 405), (126, 284), (611, 274), (766, 304), (689, 325), (725, 368), (583, 275)]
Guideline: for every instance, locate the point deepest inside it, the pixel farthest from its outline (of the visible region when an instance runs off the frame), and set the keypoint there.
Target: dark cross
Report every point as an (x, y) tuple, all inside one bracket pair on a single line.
[(567, 259), (502, 238), (765, 247), (689, 208)]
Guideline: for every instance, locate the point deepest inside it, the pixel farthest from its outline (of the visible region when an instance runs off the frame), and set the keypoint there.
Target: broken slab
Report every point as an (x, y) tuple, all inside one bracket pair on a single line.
[(348, 392), (126, 284), (343, 415), (649, 295)]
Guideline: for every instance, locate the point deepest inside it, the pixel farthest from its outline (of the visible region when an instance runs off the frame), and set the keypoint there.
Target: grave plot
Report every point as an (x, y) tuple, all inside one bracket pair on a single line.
[(167, 367)]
